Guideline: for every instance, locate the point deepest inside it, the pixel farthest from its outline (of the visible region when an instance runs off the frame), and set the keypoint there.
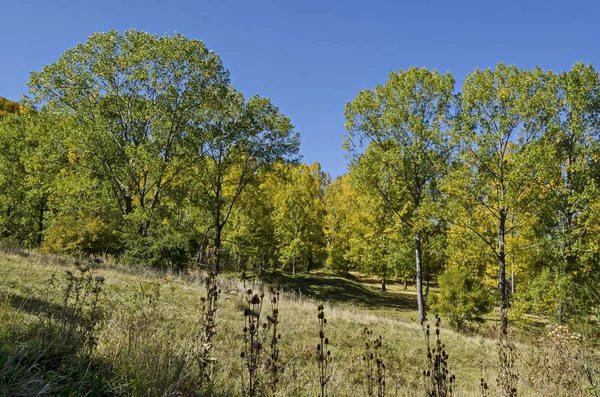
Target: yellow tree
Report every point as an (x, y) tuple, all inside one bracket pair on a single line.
[(299, 216)]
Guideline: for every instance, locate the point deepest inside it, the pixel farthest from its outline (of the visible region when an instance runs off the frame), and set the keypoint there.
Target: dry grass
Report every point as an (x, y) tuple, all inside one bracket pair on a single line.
[(148, 339)]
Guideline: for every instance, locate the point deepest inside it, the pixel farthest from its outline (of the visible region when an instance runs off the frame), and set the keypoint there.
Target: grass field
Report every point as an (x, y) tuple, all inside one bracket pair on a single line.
[(146, 337)]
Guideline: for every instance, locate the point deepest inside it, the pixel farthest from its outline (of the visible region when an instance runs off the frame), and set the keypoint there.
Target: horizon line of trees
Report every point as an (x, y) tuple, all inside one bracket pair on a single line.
[(138, 146)]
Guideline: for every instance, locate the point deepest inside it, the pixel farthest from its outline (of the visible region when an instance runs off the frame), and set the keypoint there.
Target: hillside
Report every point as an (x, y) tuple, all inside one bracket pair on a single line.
[(146, 325), (7, 106)]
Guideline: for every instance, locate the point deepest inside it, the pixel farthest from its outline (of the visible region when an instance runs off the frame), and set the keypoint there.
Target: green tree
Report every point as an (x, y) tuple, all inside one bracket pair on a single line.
[(340, 202), (500, 112), (30, 167), (405, 122), (251, 230), (245, 138), (141, 105), (379, 242), (565, 161)]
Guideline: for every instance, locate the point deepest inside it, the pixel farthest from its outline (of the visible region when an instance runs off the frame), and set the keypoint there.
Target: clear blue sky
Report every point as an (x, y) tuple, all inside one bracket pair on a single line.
[(311, 57)]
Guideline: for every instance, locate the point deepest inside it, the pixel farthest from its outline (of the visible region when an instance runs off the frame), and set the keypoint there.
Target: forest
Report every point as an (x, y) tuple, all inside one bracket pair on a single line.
[(138, 148)]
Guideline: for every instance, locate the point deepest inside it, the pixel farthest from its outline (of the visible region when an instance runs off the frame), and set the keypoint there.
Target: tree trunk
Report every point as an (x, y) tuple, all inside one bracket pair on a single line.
[(569, 258), (502, 268), (570, 261), (405, 283), (383, 288), (420, 303), (512, 271), (143, 228), (128, 204), (218, 231), (512, 282), (40, 231)]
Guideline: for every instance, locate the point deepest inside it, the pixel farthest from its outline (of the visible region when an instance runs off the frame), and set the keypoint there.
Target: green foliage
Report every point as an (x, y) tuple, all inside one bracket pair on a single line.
[(405, 124), (300, 215), (252, 230), (566, 164), (140, 146), (140, 102), (168, 245), (551, 292), (462, 298), (498, 120), (80, 234), (31, 167), (249, 136)]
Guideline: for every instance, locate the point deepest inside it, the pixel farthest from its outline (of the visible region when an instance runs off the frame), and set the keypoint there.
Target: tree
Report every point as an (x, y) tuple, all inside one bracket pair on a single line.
[(565, 161), (340, 202), (141, 105), (405, 123), (299, 216), (251, 229), (30, 166), (379, 243), (500, 115), (245, 138)]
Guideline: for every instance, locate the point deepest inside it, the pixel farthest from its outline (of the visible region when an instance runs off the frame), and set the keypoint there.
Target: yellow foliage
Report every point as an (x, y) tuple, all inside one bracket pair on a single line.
[(9, 107)]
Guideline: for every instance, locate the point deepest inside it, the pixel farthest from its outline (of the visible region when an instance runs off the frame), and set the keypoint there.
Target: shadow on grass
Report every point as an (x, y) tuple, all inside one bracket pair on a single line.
[(45, 357), (340, 289), (34, 305)]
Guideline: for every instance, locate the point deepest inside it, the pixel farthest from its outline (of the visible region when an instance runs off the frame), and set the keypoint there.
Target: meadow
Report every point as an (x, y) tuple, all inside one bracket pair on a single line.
[(129, 331)]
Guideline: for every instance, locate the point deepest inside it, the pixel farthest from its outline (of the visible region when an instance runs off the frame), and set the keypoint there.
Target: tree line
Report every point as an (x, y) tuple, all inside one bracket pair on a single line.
[(139, 146)]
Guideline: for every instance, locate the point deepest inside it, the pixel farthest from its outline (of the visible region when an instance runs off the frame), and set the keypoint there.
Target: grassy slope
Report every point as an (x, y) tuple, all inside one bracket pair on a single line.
[(390, 315)]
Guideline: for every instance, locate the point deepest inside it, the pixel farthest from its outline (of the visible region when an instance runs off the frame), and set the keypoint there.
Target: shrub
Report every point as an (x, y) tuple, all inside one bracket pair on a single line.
[(556, 295), (164, 247), (81, 234), (462, 298), (558, 361)]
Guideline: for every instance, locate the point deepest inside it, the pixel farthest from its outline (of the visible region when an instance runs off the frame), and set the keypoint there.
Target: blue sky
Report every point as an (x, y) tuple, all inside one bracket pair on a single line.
[(311, 57)]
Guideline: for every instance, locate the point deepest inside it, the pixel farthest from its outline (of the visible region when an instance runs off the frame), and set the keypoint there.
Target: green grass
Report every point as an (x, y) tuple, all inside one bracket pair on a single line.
[(146, 341)]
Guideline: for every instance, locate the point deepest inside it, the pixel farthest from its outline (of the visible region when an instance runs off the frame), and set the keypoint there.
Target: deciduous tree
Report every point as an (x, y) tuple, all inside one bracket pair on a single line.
[(406, 124), (499, 119), (141, 104)]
